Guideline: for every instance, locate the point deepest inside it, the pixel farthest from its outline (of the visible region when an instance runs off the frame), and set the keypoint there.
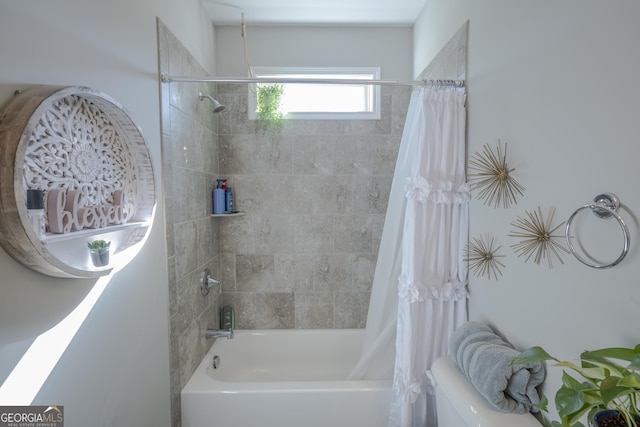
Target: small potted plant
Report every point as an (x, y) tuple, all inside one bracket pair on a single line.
[(269, 120), (607, 390), (99, 250)]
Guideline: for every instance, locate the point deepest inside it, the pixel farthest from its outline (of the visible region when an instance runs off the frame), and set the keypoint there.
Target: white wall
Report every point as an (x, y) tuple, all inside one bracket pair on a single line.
[(387, 47), (115, 371), (556, 81)]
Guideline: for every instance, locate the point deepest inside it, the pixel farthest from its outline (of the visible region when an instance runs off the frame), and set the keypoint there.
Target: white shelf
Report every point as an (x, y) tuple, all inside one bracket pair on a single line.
[(51, 237)]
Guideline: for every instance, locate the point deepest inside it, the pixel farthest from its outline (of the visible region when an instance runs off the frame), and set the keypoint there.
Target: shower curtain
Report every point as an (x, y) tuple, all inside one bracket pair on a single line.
[(432, 292), (419, 289), (378, 350)]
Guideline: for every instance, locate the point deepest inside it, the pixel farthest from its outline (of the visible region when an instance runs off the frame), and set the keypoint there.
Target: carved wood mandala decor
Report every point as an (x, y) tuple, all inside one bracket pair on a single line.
[(76, 146), (92, 164)]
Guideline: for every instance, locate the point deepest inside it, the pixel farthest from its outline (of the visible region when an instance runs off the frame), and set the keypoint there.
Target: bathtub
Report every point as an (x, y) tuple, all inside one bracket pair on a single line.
[(284, 378)]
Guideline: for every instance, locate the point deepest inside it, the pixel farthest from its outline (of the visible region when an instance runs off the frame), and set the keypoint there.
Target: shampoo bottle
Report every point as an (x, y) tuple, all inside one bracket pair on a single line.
[(228, 198), (218, 198)]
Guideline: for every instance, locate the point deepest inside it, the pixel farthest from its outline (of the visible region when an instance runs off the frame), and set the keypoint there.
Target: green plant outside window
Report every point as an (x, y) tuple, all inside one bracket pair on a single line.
[(270, 117)]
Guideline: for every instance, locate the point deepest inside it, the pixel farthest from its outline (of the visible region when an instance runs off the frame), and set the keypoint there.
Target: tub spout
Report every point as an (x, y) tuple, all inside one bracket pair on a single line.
[(218, 333)]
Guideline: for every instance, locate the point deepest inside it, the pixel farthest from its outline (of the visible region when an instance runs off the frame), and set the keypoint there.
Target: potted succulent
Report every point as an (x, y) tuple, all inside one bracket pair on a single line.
[(270, 117), (606, 390), (99, 250)]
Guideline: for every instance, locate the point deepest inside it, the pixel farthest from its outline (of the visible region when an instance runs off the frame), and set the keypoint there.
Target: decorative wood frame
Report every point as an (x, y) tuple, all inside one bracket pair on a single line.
[(72, 139)]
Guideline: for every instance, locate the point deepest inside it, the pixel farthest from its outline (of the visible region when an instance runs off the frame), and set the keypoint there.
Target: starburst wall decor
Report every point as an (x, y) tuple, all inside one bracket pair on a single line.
[(538, 236), (482, 256), (493, 177)]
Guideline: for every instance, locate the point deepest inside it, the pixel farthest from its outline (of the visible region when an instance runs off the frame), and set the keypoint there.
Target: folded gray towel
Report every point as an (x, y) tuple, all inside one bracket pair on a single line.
[(485, 359)]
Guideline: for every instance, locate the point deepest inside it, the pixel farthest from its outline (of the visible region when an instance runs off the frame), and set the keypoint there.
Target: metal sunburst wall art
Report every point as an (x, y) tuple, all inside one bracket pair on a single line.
[(493, 177), (538, 237), (482, 256)]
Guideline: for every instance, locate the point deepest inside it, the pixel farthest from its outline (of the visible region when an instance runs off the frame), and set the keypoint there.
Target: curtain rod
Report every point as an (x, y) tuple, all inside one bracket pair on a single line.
[(171, 79)]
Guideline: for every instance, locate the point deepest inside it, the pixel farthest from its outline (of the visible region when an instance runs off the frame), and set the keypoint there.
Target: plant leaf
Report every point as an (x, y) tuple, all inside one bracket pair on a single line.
[(590, 374), (635, 363), (619, 353), (570, 382), (593, 358), (533, 354), (632, 380), (610, 390), (569, 401), (543, 404)]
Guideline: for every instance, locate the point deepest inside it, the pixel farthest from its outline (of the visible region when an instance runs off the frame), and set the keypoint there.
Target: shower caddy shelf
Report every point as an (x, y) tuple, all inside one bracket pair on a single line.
[(227, 215)]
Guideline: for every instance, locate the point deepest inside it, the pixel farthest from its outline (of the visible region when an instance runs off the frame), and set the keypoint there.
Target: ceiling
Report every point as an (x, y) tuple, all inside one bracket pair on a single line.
[(315, 12)]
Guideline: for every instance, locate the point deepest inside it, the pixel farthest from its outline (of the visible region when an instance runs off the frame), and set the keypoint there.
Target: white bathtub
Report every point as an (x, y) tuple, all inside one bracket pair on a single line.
[(284, 378)]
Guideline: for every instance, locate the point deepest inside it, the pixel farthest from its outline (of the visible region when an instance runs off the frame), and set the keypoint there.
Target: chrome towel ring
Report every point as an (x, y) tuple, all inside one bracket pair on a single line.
[(604, 205)]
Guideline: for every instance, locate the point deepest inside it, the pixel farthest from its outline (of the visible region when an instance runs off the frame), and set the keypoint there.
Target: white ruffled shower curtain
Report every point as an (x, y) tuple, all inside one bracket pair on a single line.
[(419, 290)]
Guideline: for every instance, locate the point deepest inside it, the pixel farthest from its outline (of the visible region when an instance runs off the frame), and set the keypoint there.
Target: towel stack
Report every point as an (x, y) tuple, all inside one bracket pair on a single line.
[(485, 359)]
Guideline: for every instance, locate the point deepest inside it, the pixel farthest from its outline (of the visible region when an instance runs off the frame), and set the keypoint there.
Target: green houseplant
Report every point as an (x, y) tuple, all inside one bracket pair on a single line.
[(99, 251), (269, 120), (608, 379), (99, 244)]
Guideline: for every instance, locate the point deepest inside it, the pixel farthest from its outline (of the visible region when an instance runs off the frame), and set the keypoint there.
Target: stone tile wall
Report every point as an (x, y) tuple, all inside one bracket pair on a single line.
[(190, 165), (315, 197), (451, 61), (304, 254)]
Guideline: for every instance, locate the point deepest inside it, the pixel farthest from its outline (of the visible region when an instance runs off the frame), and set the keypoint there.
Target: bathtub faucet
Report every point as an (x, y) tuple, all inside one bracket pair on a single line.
[(226, 324), (218, 333)]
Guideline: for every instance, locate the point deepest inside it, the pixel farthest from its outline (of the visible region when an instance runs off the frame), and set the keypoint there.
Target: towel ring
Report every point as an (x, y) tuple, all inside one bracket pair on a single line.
[(604, 205)]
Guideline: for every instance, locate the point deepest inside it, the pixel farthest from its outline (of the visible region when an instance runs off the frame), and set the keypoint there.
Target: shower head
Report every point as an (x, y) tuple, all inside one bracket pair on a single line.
[(217, 107)]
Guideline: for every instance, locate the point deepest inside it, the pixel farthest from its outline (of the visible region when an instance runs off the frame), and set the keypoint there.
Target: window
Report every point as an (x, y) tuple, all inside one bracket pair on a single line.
[(323, 100)]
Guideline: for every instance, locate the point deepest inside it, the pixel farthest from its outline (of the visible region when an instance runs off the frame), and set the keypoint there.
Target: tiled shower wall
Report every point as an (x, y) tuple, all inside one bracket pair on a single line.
[(190, 165), (315, 198), (451, 61), (303, 256)]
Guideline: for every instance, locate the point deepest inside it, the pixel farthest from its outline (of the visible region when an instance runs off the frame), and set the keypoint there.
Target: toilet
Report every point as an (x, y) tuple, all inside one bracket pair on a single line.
[(459, 404)]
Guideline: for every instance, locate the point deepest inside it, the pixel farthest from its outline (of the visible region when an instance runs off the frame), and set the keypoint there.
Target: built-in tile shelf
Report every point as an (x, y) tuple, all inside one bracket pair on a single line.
[(227, 215)]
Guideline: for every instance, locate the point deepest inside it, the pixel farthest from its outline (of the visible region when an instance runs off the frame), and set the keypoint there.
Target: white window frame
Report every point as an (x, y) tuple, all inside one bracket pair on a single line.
[(344, 72)]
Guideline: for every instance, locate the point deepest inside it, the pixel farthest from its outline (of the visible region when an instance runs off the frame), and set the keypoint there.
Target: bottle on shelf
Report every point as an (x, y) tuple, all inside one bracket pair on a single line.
[(219, 197), (228, 199)]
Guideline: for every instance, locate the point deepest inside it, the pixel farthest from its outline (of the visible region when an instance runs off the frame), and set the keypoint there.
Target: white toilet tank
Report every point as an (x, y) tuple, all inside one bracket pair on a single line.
[(459, 404)]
